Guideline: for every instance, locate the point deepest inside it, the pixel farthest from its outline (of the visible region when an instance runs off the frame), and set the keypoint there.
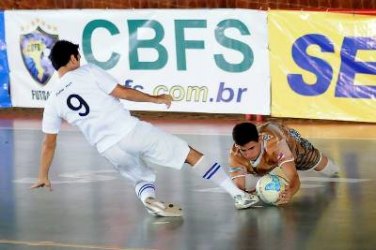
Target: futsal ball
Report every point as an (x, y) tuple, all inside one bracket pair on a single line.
[(269, 187)]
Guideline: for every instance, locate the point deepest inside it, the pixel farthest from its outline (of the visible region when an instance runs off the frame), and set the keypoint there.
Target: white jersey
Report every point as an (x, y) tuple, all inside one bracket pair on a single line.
[(82, 98)]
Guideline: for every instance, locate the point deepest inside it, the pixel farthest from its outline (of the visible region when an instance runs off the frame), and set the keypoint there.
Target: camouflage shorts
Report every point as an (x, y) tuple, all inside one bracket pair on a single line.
[(307, 155)]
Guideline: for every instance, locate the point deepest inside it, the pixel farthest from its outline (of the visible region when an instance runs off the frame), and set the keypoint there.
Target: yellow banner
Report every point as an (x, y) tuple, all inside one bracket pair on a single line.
[(323, 65)]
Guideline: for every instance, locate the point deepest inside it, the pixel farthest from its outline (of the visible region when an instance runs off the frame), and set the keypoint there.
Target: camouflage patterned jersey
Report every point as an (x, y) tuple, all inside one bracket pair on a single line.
[(279, 144)]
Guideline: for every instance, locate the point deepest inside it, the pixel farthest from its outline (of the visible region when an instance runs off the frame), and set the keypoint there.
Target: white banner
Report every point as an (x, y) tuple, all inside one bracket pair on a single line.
[(213, 61)]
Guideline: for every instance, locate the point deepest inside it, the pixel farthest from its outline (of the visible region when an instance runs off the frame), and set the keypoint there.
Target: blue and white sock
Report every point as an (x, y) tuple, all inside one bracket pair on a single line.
[(145, 190), (214, 171)]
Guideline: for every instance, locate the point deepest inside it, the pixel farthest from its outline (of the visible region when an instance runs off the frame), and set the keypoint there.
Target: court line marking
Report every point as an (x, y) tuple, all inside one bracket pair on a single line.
[(83, 176), (88, 176), (209, 132), (336, 179), (56, 244), (200, 131), (306, 183)]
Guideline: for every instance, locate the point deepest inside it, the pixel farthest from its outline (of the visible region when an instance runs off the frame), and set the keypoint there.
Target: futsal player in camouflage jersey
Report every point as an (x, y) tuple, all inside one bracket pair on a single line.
[(89, 98), (274, 148)]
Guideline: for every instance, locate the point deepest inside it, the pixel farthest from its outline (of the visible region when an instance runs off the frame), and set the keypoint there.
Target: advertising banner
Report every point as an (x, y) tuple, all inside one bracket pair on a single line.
[(213, 61), (323, 65), (4, 69)]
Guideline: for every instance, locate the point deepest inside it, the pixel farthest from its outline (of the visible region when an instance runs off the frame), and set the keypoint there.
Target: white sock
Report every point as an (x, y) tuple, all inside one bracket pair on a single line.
[(145, 190), (330, 170), (217, 174)]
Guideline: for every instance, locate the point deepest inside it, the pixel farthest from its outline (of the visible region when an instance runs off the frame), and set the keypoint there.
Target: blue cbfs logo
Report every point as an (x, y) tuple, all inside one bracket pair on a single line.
[(35, 48)]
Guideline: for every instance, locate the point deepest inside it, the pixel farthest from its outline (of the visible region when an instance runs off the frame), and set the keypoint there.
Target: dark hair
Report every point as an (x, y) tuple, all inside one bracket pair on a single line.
[(244, 132), (61, 52)]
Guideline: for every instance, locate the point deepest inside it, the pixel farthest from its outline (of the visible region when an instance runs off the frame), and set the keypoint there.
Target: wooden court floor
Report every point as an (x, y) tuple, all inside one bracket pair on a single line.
[(92, 207)]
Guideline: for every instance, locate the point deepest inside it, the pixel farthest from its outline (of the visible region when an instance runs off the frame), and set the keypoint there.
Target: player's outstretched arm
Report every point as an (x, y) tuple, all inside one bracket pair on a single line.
[(134, 95), (289, 170), (47, 155)]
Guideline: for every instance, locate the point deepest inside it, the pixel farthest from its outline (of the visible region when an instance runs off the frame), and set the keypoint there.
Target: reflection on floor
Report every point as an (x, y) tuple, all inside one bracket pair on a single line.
[(92, 207)]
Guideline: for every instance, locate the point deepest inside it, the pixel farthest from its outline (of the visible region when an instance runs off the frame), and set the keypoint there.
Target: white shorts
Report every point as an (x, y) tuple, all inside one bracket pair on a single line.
[(146, 143)]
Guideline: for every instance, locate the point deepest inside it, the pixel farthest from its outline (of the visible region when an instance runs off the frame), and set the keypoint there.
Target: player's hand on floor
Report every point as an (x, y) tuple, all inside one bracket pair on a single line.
[(41, 183), (285, 196)]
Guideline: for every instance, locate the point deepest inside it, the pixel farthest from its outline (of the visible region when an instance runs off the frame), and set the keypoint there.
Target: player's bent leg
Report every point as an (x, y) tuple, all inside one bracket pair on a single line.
[(211, 170)]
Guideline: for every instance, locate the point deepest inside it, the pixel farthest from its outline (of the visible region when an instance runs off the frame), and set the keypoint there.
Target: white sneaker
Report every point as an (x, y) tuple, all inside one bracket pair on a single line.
[(246, 200), (159, 208)]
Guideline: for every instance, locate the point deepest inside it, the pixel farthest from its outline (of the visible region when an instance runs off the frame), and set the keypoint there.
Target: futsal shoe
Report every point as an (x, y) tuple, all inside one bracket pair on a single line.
[(159, 208), (246, 201)]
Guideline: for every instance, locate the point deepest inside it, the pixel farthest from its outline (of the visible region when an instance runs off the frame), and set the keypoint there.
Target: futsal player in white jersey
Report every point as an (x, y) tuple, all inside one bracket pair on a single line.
[(88, 97)]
